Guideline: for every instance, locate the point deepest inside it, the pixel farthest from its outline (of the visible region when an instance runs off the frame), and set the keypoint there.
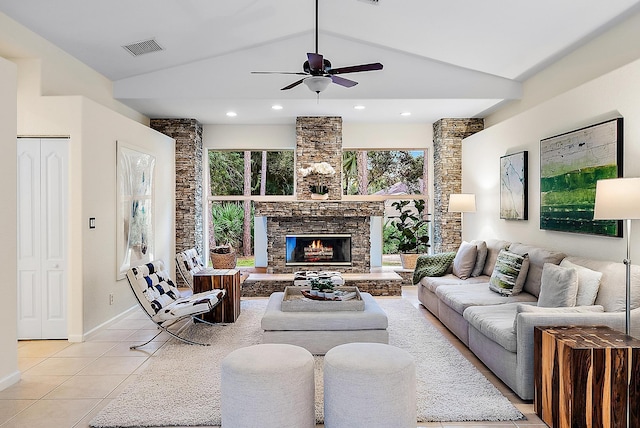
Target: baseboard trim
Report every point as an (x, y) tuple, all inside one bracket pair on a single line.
[(89, 334), (9, 380)]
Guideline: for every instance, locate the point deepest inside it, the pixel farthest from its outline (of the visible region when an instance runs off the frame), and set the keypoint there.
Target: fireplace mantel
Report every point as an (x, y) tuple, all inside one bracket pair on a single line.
[(319, 209)]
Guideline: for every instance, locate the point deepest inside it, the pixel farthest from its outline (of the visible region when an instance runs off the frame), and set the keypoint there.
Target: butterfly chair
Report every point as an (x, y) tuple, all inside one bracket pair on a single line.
[(188, 263), (161, 300)]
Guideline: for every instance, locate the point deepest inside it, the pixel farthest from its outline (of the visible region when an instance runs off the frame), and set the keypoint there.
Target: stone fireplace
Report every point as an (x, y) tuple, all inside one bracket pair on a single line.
[(351, 218)]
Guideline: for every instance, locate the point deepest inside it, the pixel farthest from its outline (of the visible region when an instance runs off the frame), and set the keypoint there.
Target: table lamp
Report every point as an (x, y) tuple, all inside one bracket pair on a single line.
[(619, 199)]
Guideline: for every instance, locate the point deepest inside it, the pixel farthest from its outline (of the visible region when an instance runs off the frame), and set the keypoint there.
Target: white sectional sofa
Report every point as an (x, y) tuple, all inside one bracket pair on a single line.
[(499, 329)]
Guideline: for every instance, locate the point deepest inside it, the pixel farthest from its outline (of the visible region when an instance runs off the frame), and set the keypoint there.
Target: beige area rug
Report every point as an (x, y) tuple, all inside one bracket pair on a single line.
[(181, 386)]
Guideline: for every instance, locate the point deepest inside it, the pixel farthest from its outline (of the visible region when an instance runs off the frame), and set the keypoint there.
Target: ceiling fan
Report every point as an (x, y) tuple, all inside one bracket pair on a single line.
[(319, 73)]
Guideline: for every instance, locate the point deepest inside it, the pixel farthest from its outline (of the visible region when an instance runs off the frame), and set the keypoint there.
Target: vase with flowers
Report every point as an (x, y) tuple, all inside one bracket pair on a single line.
[(318, 173)]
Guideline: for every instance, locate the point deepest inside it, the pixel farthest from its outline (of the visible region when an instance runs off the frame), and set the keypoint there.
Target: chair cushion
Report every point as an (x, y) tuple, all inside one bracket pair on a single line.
[(196, 304), (481, 257), (465, 260), (432, 283), (495, 322), (525, 307), (588, 283), (460, 297), (559, 286), (153, 286), (509, 274), (189, 263)]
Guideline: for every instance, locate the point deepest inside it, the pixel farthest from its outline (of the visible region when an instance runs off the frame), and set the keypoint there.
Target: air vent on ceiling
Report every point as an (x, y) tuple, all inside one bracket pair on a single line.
[(370, 1), (143, 47)]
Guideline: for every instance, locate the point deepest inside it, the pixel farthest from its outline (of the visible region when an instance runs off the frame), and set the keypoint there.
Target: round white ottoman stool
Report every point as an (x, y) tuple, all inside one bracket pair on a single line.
[(268, 386), (369, 385)]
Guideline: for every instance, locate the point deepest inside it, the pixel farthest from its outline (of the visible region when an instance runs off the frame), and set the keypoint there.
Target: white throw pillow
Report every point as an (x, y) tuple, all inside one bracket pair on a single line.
[(465, 260), (481, 257), (558, 286), (588, 283)]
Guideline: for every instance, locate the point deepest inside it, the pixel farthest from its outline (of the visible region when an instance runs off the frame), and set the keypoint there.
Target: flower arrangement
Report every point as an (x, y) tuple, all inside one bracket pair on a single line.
[(318, 169)]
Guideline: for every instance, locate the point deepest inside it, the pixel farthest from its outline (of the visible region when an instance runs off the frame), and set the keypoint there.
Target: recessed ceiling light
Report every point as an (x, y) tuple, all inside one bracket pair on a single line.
[(359, 107), (405, 113), (276, 107), (232, 114)]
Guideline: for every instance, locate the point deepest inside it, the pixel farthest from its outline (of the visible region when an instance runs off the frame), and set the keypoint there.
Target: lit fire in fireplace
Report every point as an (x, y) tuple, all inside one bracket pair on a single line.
[(317, 252)]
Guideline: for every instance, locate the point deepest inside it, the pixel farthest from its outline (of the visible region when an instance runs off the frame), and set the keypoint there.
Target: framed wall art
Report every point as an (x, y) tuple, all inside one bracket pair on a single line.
[(570, 166), (134, 238), (513, 186)]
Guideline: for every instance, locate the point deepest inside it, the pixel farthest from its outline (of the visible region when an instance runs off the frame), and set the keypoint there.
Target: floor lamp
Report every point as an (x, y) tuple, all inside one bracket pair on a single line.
[(462, 203), (619, 199)]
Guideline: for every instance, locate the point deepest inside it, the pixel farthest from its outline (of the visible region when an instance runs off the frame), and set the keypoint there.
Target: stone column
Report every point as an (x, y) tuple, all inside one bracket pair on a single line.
[(189, 214), (319, 139), (447, 178)]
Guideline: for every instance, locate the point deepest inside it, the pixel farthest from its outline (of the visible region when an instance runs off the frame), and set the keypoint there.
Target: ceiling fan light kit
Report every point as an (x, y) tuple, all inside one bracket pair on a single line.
[(317, 83)]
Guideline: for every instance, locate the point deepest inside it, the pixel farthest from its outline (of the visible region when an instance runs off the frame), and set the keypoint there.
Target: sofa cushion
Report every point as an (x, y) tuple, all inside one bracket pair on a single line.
[(611, 294), (432, 283), (460, 297), (493, 249), (559, 286), (432, 265), (481, 257), (537, 258), (495, 322), (509, 273), (588, 283), (465, 260), (525, 307)]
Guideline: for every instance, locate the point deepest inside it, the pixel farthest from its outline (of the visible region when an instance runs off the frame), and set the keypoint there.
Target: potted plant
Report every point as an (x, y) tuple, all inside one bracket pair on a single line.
[(412, 231)]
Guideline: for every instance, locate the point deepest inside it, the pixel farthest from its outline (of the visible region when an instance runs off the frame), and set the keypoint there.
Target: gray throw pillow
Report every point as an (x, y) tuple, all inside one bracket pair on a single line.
[(509, 273), (558, 286), (481, 257), (465, 260), (588, 283)]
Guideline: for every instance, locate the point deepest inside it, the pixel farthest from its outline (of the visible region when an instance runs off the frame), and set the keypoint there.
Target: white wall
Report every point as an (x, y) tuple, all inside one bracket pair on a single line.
[(612, 95), (9, 373)]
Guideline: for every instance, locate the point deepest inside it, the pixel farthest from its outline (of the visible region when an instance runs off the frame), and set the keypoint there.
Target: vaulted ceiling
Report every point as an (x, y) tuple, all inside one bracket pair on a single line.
[(446, 58)]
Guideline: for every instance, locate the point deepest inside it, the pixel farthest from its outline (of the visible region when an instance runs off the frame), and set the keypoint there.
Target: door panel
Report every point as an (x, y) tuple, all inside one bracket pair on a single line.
[(42, 231)]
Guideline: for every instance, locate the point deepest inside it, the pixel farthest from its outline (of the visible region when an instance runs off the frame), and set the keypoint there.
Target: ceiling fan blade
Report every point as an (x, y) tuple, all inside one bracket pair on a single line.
[(343, 82), (299, 73), (315, 61), (293, 85), (356, 68)]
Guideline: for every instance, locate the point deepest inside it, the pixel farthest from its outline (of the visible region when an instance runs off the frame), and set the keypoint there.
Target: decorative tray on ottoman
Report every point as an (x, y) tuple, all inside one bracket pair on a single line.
[(298, 299)]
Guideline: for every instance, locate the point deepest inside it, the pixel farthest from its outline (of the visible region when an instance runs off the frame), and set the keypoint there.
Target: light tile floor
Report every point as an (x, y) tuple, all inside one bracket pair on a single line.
[(66, 384)]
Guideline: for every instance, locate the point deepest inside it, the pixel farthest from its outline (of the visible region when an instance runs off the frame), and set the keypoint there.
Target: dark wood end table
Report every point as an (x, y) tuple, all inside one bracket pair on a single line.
[(228, 279)]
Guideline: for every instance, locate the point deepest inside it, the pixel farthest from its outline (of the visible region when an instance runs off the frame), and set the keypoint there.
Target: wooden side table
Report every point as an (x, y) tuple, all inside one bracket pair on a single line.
[(584, 375), (228, 279)]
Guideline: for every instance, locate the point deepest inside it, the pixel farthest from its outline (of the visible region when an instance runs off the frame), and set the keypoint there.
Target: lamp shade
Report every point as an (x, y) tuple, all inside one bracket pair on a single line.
[(462, 203), (617, 199)]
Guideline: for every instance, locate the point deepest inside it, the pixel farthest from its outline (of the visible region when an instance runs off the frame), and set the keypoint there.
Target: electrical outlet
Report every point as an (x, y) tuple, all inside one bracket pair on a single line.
[(111, 298)]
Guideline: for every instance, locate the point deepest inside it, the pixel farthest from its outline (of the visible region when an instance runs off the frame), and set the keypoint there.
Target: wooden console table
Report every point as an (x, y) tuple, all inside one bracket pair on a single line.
[(228, 279), (583, 376)]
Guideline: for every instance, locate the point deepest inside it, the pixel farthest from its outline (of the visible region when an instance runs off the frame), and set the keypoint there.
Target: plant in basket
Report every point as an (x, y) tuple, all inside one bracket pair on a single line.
[(223, 257)]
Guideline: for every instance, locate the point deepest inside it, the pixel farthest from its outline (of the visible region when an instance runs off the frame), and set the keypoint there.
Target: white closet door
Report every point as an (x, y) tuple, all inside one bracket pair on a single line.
[(42, 231)]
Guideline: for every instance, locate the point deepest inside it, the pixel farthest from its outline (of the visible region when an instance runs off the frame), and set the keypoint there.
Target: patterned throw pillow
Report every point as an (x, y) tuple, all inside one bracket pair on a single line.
[(432, 265), (509, 273)]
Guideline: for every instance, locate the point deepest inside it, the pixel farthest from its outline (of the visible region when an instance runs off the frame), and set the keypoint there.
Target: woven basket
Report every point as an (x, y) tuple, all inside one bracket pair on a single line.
[(223, 261)]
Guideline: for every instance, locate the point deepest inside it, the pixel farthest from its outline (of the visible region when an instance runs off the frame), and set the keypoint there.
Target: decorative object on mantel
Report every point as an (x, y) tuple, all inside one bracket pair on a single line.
[(319, 190), (223, 257), (619, 199), (412, 231)]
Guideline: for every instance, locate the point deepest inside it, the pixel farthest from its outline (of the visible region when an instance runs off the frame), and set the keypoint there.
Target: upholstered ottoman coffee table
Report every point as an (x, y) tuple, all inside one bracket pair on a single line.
[(320, 331)]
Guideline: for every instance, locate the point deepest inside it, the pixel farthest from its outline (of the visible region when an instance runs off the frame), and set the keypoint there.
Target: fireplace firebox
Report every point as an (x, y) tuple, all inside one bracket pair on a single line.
[(318, 249)]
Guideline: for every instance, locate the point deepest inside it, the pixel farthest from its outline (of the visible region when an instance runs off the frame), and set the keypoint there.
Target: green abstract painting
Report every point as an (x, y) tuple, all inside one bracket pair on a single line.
[(570, 166)]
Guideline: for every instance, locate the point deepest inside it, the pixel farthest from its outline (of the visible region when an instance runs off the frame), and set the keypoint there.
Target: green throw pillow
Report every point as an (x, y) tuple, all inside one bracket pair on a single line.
[(432, 265), (509, 273)]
